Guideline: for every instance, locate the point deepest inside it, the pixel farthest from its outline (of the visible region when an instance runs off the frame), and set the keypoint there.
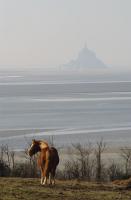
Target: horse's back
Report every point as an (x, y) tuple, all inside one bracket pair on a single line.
[(50, 155)]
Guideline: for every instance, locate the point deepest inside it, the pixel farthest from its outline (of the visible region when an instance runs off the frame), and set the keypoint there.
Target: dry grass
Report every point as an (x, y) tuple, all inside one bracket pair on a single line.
[(123, 183), (30, 189)]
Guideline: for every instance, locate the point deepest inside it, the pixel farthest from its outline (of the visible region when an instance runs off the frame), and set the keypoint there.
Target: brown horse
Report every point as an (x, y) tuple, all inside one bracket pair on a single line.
[(47, 161)]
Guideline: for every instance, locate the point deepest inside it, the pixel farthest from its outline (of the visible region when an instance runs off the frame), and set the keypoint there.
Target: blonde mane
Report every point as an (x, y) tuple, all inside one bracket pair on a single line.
[(43, 144)]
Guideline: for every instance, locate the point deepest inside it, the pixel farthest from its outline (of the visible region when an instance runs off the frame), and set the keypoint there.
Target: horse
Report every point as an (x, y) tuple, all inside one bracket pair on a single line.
[(47, 161)]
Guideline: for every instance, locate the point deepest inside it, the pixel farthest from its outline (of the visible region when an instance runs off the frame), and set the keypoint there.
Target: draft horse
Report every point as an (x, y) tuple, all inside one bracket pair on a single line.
[(47, 161)]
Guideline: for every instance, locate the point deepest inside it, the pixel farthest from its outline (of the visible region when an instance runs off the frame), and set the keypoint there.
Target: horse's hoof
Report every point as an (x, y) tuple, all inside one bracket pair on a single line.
[(44, 184)]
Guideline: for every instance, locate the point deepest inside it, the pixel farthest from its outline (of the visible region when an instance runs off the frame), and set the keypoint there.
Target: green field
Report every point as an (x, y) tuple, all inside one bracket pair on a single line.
[(30, 189)]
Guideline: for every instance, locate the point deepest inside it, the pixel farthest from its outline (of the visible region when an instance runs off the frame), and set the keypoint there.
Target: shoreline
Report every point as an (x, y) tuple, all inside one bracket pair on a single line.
[(114, 139)]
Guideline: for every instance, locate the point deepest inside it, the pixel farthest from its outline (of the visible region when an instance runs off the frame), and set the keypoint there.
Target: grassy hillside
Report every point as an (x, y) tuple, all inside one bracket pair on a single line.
[(30, 189)]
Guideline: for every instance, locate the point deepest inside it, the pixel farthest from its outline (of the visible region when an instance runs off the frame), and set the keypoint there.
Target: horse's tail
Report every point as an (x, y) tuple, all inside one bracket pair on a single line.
[(55, 155)]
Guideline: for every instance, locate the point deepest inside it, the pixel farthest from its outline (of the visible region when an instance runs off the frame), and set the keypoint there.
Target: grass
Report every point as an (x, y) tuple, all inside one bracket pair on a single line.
[(30, 189)]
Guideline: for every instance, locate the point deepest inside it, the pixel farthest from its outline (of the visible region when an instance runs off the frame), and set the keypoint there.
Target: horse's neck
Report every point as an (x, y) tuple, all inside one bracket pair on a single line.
[(44, 154)]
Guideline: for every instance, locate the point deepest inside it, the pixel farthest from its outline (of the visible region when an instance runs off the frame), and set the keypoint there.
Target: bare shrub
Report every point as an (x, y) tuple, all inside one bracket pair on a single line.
[(115, 171), (71, 170), (4, 169), (24, 170)]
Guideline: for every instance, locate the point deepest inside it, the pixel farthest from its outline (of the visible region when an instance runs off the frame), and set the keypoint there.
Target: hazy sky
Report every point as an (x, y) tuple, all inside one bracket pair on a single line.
[(51, 32)]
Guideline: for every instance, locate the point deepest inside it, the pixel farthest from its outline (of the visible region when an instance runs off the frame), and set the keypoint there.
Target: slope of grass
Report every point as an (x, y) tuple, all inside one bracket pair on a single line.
[(30, 189)]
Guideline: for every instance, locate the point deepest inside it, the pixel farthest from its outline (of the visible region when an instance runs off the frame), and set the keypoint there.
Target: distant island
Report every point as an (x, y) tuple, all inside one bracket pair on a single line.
[(86, 60)]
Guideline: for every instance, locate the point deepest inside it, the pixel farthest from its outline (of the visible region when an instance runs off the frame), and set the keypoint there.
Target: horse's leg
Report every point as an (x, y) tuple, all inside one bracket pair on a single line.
[(45, 180), (53, 176), (46, 172), (40, 164), (41, 181), (42, 178), (50, 178), (46, 176)]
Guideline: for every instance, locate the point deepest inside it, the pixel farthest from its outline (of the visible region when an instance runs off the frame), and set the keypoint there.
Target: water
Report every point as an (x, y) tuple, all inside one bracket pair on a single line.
[(78, 108)]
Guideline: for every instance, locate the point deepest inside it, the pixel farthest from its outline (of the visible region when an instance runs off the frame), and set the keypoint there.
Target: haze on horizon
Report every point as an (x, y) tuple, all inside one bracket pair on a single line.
[(51, 33)]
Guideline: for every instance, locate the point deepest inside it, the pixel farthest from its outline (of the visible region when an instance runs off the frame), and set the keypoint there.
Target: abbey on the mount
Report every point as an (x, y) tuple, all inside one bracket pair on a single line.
[(86, 59)]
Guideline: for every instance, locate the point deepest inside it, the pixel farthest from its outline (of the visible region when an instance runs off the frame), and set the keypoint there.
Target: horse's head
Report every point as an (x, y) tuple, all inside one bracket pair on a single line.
[(36, 146)]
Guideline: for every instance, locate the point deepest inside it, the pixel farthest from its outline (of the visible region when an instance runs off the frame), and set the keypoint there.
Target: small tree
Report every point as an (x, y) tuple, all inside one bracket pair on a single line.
[(100, 147), (7, 157), (83, 153), (126, 155)]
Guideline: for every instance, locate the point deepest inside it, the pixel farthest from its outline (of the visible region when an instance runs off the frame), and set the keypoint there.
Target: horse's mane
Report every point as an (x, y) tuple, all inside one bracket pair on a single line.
[(43, 144)]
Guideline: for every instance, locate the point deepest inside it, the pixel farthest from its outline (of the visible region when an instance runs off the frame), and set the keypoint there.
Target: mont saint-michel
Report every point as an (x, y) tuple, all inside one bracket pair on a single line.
[(86, 59)]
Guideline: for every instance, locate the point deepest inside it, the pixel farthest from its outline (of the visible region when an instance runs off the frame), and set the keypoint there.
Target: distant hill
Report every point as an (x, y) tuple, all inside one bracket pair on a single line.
[(86, 59)]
